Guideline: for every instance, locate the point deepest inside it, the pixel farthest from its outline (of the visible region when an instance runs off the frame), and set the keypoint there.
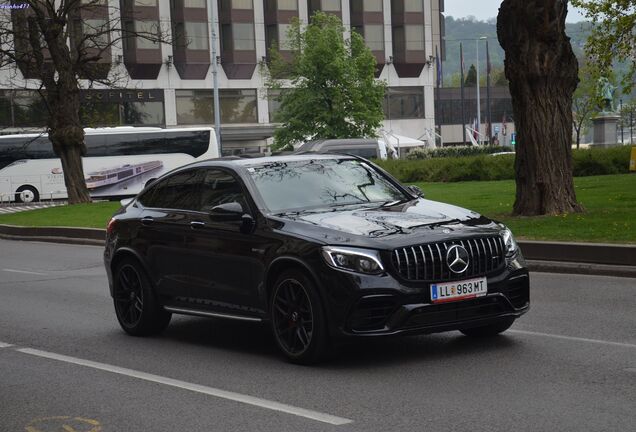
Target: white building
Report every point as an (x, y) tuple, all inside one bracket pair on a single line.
[(172, 85)]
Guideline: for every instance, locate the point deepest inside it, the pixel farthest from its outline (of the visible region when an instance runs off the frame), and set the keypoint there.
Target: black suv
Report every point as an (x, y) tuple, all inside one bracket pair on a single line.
[(322, 247)]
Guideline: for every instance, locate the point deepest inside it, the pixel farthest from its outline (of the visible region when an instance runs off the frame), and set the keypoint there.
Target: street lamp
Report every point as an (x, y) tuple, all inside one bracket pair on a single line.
[(478, 92)]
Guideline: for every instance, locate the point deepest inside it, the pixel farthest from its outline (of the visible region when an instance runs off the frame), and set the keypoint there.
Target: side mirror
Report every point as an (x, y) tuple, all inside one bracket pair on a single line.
[(415, 190), (228, 212)]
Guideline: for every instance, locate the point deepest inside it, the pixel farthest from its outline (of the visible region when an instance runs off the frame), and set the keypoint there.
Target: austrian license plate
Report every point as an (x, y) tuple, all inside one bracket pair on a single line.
[(460, 290)]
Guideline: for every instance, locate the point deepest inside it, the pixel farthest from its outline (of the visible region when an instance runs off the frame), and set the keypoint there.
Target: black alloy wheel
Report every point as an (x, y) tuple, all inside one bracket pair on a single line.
[(137, 311), (297, 319), (129, 296)]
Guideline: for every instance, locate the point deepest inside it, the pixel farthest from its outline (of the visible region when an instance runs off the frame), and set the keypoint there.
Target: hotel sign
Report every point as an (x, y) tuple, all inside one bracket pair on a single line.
[(118, 96)]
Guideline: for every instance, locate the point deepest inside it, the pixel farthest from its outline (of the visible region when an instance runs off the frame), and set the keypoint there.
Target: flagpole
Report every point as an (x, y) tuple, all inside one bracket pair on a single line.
[(461, 54), (478, 128), (439, 84), (488, 70)]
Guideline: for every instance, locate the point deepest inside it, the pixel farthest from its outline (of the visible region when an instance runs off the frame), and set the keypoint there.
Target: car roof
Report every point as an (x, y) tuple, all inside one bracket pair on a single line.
[(244, 162)]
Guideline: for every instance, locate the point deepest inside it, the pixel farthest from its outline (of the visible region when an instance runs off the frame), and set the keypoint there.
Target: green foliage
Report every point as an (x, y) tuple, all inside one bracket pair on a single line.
[(613, 36), (456, 151), (471, 77), (331, 90), (588, 162)]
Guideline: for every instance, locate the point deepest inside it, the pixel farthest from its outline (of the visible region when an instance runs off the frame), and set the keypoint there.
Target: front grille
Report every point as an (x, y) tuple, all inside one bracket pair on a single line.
[(372, 313), (427, 262)]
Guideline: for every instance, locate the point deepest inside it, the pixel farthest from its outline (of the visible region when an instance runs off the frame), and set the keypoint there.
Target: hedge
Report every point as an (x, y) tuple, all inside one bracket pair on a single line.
[(587, 162), (457, 151)]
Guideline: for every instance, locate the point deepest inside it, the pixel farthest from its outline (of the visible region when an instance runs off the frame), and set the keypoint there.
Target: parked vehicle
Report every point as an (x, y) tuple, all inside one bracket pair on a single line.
[(30, 170), (322, 247), (367, 148)]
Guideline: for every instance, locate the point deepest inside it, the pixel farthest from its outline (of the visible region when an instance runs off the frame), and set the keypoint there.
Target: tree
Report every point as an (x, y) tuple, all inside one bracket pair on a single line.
[(543, 74), (584, 103), (332, 91), (60, 44), (613, 37), (471, 77)]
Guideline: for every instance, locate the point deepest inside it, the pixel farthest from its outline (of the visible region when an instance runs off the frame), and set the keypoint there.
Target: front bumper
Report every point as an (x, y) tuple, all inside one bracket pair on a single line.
[(363, 306)]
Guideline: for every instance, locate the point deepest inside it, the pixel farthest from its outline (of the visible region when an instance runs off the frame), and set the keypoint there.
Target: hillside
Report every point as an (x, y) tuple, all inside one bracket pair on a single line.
[(467, 30)]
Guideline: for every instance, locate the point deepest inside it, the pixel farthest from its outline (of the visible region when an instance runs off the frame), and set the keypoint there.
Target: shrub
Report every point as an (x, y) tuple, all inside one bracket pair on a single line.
[(586, 162), (458, 151)]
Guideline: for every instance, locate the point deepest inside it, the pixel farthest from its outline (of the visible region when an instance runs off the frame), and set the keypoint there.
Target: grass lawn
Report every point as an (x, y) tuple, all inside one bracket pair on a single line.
[(610, 216), (610, 204), (95, 215)]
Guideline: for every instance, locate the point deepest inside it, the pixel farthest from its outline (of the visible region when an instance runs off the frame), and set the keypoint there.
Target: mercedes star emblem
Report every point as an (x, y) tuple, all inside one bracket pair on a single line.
[(457, 259)]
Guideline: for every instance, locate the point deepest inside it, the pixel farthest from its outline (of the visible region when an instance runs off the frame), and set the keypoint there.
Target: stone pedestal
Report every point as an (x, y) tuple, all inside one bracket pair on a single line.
[(605, 127)]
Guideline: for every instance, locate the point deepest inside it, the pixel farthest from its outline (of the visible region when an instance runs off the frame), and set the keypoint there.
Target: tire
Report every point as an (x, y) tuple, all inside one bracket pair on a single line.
[(27, 194), (298, 319), (489, 330), (136, 306)]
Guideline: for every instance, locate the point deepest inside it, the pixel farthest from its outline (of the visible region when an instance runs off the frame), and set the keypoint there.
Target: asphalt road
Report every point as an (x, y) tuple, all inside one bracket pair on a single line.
[(568, 365)]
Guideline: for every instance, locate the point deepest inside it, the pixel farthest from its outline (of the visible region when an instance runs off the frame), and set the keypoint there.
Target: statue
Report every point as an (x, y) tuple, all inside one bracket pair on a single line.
[(606, 93)]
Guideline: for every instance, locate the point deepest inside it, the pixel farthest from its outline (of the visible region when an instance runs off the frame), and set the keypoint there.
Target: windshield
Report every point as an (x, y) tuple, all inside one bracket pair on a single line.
[(298, 185)]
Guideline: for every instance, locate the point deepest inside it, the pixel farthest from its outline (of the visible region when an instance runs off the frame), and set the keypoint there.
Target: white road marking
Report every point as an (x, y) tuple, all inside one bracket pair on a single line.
[(572, 338), (211, 391), (5, 345), (24, 271)]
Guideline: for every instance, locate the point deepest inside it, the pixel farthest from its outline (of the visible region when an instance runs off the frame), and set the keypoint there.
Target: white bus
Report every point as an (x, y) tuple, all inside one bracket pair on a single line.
[(119, 161)]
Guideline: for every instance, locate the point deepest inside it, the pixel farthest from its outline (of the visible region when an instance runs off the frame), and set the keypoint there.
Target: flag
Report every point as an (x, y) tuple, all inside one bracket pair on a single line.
[(439, 68)]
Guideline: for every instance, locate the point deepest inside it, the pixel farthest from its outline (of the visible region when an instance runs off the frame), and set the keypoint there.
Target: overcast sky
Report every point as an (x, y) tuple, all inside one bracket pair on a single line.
[(484, 9)]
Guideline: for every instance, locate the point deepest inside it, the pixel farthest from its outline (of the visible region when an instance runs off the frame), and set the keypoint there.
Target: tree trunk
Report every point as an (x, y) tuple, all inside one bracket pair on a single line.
[(543, 75), (67, 136)]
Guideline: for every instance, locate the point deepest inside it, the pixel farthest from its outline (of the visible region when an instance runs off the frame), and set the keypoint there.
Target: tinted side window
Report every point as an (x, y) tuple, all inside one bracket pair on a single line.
[(193, 143), (365, 152), (219, 187), (181, 191)]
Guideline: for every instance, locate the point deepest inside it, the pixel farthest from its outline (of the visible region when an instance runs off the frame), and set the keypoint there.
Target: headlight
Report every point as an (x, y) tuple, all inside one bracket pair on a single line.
[(351, 259), (509, 241)]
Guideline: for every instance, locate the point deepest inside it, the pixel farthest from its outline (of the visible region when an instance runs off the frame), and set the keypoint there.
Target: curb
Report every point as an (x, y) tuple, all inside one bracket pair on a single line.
[(581, 268), (542, 256)]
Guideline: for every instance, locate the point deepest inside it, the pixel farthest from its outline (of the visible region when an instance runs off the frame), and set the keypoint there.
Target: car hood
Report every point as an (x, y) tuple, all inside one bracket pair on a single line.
[(420, 220)]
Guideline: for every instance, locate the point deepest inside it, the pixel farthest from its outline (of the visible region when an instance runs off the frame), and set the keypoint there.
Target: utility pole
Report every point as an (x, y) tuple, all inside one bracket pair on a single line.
[(215, 80)]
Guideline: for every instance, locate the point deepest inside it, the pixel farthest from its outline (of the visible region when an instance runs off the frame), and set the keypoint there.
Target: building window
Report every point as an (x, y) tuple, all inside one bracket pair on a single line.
[(243, 36), (372, 5), (404, 103), (196, 107), (196, 35), (22, 108), (331, 5), (242, 4), (146, 30), (290, 5), (413, 6), (374, 36), (100, 114), (194, 3), (414, 35), (283, 36), (95, 33), (147, 3)]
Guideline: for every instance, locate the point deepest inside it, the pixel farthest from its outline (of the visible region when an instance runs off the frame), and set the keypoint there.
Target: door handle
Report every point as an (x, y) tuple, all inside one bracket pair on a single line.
[(197, 224), (147, 220)]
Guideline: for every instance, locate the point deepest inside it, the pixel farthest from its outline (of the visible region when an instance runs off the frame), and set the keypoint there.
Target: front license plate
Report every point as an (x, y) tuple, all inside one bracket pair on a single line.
[(460, 290)]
